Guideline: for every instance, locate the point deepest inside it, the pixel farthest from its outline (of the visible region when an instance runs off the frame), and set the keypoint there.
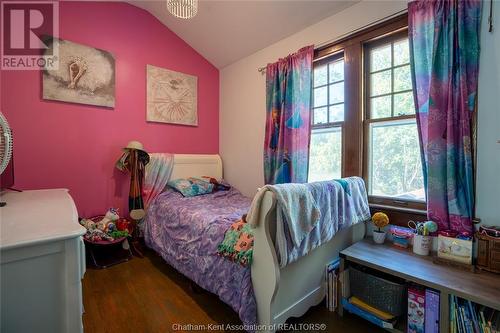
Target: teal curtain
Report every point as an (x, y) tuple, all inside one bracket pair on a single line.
[(288, 102)]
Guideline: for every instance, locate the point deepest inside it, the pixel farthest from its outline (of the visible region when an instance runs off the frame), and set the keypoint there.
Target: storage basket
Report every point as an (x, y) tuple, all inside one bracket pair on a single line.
[(382, 294)]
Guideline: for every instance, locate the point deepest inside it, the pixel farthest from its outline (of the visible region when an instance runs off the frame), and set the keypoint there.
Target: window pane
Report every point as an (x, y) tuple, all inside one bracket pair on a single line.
[(380, 83), (402, 78), (337, 93), (320, 116), (325, 157), (380, 58), (401, 52), (320, 75), (395, 165), (337, 113), (337, 71), (320, 96), (403, 104), (380, 107)]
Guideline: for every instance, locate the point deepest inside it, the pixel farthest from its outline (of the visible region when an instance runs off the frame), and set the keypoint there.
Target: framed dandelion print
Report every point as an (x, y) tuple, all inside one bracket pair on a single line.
[(172, 97)]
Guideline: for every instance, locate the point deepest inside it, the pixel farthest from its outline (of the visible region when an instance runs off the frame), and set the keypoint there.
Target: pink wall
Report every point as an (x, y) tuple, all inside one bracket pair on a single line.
[(64, 145)]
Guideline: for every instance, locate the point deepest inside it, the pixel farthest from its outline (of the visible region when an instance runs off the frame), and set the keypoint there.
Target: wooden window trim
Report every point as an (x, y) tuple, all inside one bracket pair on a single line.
[(369, 45), (354, 138)]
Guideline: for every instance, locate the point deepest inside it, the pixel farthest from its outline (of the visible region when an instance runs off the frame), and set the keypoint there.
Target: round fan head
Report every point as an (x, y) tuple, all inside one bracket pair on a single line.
[(5, 143)]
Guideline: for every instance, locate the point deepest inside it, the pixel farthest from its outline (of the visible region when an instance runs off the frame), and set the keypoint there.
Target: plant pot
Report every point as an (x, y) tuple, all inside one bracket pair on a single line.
[(378, 236)]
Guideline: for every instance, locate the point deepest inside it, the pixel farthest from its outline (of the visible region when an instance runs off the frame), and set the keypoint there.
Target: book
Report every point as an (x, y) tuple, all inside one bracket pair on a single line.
[(331, 281), (367, 307), (431, 311), (475, 323), (453, 321), (416, 310)]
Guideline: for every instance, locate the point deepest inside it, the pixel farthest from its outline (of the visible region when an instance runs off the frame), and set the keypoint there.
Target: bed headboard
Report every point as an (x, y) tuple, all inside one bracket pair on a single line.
[(196, 165)]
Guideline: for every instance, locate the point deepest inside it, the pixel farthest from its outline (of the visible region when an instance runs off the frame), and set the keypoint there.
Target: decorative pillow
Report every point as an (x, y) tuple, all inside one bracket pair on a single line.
[(237, 245), (219, 185), (191, 187)]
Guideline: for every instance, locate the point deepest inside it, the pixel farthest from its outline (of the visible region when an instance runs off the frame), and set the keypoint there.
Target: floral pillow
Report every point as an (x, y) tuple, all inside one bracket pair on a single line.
[(191, 187)]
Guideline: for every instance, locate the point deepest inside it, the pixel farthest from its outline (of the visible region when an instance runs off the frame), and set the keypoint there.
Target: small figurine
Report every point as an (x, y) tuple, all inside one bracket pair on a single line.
[(110, 217)]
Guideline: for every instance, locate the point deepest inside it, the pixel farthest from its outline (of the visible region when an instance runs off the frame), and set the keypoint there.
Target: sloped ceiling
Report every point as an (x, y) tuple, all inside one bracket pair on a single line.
[(226, 31)]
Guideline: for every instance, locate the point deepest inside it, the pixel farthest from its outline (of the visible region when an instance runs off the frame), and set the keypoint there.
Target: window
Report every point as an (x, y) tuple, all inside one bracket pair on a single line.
[(363, 118), (327, 118), (392, 153)]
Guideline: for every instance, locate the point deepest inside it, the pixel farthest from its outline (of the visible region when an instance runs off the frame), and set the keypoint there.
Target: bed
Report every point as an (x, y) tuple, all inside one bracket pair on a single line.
[(186, 232)]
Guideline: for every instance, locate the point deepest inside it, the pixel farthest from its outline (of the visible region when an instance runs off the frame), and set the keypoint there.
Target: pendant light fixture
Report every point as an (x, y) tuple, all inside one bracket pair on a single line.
[(184, 9)]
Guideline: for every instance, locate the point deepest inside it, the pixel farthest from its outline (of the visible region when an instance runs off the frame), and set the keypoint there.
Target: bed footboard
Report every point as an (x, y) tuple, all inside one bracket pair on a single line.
[(287, 292)]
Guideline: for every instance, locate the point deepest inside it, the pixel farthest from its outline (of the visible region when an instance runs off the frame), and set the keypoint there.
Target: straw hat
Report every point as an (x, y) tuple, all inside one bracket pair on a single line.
[(135, 145)]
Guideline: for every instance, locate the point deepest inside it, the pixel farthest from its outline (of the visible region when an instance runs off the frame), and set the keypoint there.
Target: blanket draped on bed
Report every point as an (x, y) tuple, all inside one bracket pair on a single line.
[(309, 215)]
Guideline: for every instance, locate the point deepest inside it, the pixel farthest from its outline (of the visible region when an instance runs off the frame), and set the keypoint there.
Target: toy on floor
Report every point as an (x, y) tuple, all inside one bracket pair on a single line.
[(103, 228)]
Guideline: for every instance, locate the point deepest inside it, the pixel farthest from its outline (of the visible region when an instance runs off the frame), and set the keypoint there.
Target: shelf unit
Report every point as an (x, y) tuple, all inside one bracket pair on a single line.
[(482, 287)]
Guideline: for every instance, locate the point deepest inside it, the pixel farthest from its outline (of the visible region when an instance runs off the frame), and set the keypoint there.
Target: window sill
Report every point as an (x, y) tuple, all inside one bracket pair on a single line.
[(398, 209)]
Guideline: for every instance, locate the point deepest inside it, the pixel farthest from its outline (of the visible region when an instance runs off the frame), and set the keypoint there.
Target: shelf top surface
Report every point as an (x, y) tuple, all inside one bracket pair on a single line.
[(482, 287)]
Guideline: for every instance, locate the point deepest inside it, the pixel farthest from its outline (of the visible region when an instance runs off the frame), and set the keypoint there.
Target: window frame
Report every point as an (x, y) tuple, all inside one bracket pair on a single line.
[(353, 150), (340, 124), (369, 45)]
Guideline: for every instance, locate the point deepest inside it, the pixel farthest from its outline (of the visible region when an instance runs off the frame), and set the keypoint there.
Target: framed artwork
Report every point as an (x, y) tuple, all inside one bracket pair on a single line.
[(172, 97), (85, 75)]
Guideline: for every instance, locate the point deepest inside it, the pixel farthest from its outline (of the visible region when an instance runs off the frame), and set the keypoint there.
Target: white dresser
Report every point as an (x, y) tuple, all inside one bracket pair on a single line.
[(42, 258)]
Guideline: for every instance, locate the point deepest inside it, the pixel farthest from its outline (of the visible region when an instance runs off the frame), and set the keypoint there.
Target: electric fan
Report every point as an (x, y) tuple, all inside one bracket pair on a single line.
[(5, 146)]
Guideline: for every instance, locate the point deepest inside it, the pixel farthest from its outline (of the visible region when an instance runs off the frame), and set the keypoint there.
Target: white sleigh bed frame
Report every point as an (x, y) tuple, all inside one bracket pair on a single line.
[(280, 293)]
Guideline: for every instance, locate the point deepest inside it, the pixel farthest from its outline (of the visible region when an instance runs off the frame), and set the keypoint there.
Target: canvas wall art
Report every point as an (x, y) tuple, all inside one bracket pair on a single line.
[(172, 97), (85, 75)]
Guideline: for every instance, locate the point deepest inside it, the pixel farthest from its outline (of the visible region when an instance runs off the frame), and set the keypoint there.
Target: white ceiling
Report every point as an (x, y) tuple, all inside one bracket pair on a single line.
[(226, 31)]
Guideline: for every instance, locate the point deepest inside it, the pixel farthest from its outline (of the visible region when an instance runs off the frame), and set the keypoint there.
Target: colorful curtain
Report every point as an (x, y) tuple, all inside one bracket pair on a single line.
[(444, 46), (157, 175), (288, 100)]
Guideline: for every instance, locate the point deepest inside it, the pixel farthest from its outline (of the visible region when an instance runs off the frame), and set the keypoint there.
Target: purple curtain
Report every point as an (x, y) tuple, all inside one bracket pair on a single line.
[(288, 101), (444, 46)]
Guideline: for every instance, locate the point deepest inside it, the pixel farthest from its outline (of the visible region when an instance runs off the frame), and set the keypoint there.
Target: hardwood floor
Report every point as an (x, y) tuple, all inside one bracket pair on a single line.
[(145, 295)]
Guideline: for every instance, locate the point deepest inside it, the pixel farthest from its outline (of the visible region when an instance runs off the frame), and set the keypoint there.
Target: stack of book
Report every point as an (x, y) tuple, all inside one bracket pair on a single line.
[(469, 317), (331, 284)]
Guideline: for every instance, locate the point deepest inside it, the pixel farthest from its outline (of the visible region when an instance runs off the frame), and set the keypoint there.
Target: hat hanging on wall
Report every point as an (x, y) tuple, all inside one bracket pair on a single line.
[(135, 145)]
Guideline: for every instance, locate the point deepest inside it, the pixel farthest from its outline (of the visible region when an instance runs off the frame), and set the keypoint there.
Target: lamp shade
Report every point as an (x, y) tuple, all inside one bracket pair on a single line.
[(184, 9)]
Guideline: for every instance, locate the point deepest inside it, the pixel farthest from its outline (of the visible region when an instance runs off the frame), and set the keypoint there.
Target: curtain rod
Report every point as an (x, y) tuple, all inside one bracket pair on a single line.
[(334, 40)]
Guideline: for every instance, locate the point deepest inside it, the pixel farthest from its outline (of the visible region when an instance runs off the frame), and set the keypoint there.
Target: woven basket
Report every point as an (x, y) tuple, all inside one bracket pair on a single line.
[(380, 293)]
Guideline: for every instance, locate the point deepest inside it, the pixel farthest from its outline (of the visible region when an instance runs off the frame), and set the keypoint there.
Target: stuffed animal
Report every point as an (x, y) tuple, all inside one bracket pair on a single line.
[(109, 219), (88, 224), (97, 235)]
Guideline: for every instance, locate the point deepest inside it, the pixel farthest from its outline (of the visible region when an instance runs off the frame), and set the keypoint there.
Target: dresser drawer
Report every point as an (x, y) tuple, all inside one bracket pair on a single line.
[(495, 256), (483, 252), (495, 265)]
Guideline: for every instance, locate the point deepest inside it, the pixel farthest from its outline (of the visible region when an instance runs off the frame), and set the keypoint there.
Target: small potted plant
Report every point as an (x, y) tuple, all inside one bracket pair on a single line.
[(380, 220)]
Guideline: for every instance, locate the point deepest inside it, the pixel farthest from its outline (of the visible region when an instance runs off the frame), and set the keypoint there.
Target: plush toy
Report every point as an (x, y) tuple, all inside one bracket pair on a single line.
[(97, 235), (123, 224), (88, 224), (108, 220)]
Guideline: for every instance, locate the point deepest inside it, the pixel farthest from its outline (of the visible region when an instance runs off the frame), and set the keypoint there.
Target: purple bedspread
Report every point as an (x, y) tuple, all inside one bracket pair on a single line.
[(186, 233)]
